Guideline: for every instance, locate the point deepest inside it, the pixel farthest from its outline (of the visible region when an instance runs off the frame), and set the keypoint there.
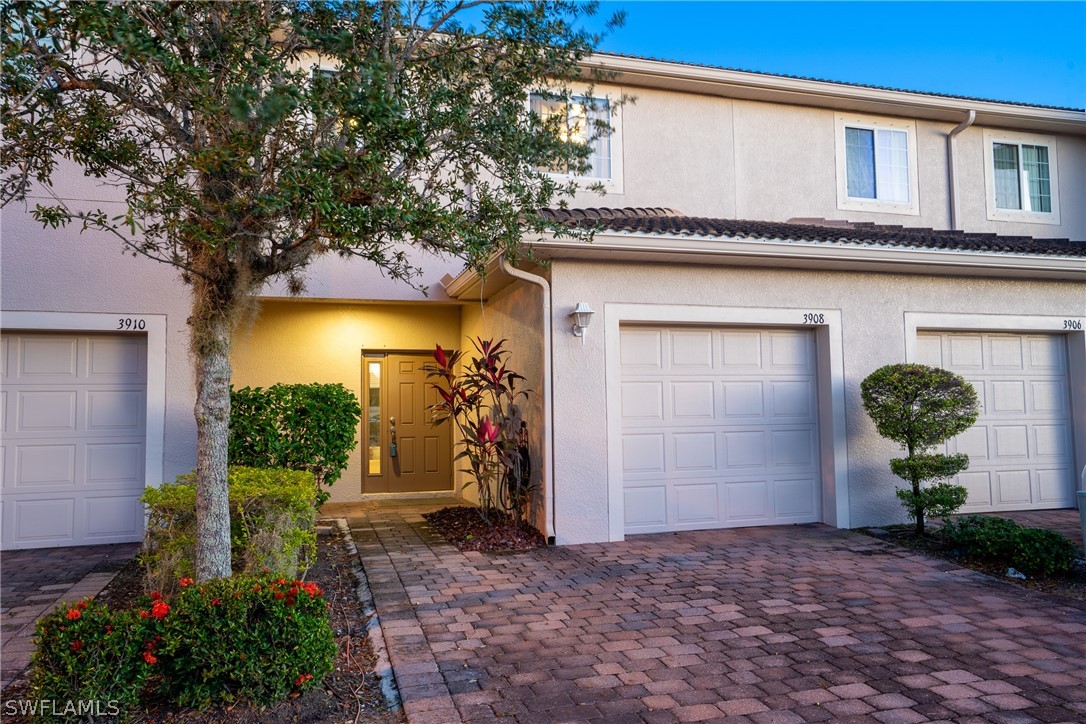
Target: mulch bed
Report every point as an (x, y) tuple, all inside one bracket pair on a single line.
[(1070, 585), (465, 528), (351, 693)]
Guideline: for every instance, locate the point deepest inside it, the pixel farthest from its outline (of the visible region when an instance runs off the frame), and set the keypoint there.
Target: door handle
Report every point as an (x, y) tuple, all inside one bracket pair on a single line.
[(392, 437)]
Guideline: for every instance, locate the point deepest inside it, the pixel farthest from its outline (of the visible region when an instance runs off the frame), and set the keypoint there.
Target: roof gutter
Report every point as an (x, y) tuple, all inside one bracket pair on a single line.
[(548, 395), (951, 156)]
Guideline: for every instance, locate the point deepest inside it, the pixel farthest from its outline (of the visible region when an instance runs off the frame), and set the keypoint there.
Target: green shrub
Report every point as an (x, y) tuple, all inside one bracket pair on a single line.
[(85, 652), (1035, 551), (233, 639), (272, 514), (302, 427), (920, 407)]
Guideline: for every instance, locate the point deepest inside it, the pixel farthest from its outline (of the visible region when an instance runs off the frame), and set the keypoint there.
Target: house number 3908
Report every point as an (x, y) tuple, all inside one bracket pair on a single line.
[(812, 318), (131, 323)]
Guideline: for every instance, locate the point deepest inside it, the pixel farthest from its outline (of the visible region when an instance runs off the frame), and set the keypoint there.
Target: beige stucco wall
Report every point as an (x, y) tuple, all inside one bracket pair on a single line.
[(872, 308), (300, 342), (726, 158)]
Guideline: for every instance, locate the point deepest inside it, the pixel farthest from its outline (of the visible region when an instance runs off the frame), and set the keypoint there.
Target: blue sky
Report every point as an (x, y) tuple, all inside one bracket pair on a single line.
[(1033, 52)]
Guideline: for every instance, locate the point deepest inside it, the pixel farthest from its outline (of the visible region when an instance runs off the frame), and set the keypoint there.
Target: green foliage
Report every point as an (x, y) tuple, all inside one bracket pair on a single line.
[(939, 500), (302, 427), (481, 398), (920, 407), (91, 654), (271, 523), (233, 639), (239, 164), (1035, 551)]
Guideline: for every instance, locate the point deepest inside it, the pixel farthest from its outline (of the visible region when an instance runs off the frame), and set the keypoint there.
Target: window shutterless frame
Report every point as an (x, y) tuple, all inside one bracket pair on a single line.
[(1011, 161), (891, 147), (613, 183)]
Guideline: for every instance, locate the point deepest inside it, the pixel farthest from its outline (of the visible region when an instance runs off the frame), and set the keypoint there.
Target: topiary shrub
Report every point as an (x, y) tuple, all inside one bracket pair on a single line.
[(272, 515), (228, 640), (920, 407), (1035, 551), (310, 427)]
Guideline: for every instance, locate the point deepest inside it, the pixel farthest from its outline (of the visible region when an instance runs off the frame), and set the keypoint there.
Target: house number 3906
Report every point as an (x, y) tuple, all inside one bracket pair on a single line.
[(131, 323), (1072, 324), (812, 318)]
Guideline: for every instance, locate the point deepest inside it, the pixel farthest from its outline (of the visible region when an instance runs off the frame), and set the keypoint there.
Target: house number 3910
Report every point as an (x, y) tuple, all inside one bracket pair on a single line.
[(812, 318), (1072, 324), (131, 323)]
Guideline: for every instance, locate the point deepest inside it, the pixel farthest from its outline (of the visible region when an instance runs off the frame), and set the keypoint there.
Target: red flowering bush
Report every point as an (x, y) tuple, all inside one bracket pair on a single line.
[(226, 640)]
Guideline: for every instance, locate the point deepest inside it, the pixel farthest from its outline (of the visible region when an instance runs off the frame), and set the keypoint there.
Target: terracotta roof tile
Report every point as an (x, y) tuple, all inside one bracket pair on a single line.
[(661, 221)]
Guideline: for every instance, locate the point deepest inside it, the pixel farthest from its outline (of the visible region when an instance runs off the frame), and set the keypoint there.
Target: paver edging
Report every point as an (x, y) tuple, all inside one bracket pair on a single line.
[(383, 668)]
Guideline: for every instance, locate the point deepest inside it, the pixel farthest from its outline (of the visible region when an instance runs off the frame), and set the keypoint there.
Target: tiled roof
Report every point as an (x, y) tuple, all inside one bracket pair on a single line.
[(670, 222), (839, 82)]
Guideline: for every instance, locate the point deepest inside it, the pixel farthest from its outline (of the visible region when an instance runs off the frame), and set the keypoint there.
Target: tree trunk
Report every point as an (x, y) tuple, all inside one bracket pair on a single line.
[(211, 349)]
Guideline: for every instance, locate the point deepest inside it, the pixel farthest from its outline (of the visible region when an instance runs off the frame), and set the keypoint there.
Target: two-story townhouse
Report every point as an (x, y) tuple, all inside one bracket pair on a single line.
[(765, 243)]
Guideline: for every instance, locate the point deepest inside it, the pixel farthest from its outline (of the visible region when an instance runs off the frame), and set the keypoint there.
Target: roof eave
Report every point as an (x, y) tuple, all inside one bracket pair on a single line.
[(796, 91)]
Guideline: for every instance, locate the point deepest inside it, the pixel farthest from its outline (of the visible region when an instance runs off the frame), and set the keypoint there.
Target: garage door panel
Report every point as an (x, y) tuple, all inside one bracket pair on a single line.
[(51, 411), (693, 400), (966, 352), (114, 464), (696, 503), (745, 449), (795, 498), (694, 450), (74, 450), (732, 434), (113, 516), (642, 348), (48, 357), (44, 521), (115, 411), (1023, 434), (929, 351), (44, 465)]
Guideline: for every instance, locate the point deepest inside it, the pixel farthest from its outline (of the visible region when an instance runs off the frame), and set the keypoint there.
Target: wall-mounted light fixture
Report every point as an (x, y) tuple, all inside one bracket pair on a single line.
[(581, 315)]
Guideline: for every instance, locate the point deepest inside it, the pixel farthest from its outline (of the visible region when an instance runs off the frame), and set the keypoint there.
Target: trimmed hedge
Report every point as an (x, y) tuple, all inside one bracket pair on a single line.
[(302, 427), (228, 640), (272, 515), (1035, 551)]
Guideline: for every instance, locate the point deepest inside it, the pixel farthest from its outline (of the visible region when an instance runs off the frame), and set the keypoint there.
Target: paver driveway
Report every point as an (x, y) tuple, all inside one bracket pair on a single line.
[(802, 623)]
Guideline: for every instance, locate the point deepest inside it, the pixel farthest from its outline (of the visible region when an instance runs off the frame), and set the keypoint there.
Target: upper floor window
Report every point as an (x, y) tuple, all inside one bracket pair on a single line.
[(1020, 170), (579, 119), (876, 165)]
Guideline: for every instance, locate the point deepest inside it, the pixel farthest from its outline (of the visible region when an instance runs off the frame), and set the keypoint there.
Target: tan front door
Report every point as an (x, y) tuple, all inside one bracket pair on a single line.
[(406, 454)]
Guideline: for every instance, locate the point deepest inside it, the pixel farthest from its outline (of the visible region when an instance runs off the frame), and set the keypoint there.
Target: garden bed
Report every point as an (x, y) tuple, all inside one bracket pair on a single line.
[(465, 528), (1070, 585), (352, 692)]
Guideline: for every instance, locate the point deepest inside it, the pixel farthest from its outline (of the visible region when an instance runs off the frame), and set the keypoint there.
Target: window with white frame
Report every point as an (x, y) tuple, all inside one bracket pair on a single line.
[(876, 165), (579, 119), (1020, 175)]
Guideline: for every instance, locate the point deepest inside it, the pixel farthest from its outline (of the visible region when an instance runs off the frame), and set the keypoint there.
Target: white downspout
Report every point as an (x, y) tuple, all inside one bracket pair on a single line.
[(955, 214), (548, 397)]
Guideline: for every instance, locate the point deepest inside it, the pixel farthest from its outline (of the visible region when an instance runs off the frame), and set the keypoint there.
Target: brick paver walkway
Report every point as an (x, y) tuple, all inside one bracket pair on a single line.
[(33, 581), (788, 624)]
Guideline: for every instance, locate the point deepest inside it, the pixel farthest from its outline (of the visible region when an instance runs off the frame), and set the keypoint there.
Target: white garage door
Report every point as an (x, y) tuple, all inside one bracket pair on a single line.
[(719, 428), (1020, 448), (73, 439)]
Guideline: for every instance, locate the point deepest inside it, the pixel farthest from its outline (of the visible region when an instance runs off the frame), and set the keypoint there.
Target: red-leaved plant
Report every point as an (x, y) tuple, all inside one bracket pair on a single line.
[(480, 398)]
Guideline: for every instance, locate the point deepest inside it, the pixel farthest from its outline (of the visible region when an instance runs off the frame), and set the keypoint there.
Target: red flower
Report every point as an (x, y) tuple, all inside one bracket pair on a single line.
[(82, 604), (150, 658), (109, 629), (75, 614), (293, 589), (160, 609), (156, 596), (290, 600), (257, 588), (306, 677), (281, 581), (312, 589), (185, 582), (215, 602), (278, 595), (77, 645)]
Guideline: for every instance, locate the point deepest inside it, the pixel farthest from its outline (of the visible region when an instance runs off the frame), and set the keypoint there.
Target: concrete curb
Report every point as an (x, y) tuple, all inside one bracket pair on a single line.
[(383, 668)]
